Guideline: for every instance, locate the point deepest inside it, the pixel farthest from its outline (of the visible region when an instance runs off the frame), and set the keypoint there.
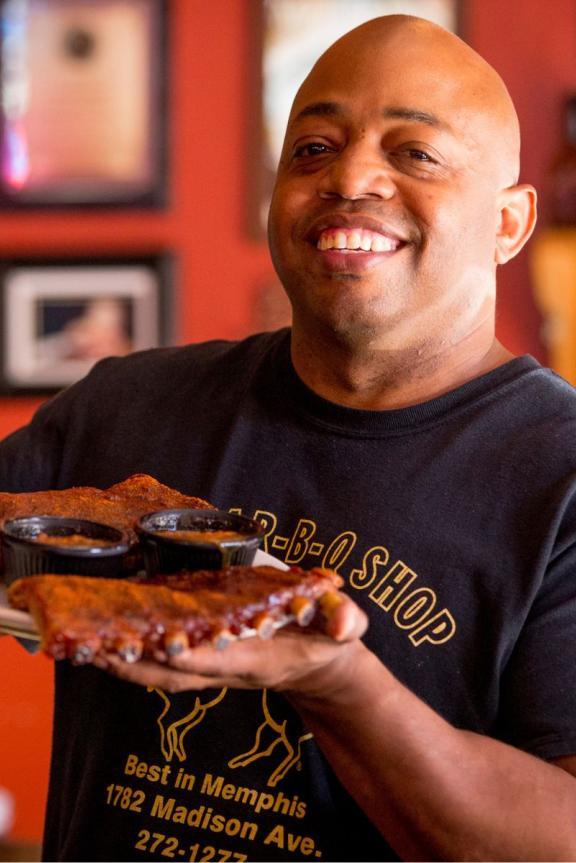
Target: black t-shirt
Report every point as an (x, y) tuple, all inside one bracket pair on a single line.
[(451, 522)]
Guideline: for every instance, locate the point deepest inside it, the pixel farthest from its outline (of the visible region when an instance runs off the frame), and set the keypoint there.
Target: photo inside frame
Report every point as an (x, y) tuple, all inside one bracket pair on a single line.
[(83, 328)]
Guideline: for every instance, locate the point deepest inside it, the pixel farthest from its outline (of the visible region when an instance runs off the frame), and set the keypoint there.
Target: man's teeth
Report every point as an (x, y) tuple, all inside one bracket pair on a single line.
[(356, 239)]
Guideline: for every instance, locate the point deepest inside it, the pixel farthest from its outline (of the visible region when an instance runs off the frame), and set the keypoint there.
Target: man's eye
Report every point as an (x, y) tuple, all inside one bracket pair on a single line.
[(420, 155), (414, 160), (313, 149)]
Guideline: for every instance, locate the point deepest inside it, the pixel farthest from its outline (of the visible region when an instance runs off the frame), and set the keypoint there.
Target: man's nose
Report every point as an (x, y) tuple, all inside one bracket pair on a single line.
[(357, 172)]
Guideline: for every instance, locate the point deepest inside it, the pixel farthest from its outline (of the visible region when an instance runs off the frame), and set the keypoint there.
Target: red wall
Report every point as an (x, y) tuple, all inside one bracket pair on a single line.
[(219, 266), (533, 46)]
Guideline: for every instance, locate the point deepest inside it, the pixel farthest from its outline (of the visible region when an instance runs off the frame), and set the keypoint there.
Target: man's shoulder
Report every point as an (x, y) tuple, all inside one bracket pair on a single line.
[(554, 393), (539, 414)]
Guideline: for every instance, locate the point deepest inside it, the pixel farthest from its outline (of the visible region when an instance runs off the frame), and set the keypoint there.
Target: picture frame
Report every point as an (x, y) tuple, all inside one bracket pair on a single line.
[(82, 103), (285, 52), (58, 317)]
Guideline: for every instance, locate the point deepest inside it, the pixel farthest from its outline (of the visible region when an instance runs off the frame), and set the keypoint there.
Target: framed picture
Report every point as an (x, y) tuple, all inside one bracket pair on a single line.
[(82, 95), (287, 51), (60, 317)]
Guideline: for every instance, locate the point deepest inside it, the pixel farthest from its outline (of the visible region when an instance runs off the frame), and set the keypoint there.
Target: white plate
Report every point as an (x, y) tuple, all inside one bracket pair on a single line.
[(262, 558), (14, 622)]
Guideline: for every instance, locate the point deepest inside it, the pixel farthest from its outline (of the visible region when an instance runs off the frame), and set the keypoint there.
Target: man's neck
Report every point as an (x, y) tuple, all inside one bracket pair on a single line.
[(382, 380)]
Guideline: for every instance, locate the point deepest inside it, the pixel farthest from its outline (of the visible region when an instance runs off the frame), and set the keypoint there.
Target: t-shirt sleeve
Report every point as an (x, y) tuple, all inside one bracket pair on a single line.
[(538, 695), (31, 457)]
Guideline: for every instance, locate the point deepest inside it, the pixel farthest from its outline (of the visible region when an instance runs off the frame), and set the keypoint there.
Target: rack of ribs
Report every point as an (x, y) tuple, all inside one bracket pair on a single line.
[(79, 617)]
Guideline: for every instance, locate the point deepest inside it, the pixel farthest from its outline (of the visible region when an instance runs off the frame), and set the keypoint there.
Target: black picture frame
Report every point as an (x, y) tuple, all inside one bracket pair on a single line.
[(83, 104), (282, 51), (59, 316)]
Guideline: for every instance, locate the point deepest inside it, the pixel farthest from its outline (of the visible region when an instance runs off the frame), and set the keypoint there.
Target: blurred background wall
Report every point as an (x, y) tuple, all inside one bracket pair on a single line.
[(223, 277)]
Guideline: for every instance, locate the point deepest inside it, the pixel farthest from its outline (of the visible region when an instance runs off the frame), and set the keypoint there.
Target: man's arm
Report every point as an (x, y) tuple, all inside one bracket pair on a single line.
[(434, 791)]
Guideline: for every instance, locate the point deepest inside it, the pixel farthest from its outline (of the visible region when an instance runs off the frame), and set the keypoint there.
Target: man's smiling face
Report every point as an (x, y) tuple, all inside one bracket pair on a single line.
[(385, 213)]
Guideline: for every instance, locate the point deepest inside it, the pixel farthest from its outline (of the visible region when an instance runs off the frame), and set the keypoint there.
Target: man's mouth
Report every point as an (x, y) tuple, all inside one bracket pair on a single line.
[(356, 240)]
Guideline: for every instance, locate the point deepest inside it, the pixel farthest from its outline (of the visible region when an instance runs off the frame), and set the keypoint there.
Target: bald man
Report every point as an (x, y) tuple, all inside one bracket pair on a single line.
[(400, 123), (388, 435)]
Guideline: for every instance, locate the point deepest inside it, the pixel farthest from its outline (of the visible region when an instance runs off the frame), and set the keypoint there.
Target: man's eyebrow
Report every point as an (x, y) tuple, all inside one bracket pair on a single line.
[(319, 109), (334, 109), (415, 116)]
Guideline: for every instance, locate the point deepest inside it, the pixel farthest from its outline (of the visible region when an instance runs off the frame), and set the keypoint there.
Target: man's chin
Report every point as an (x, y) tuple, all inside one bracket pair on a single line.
[(355, 331)]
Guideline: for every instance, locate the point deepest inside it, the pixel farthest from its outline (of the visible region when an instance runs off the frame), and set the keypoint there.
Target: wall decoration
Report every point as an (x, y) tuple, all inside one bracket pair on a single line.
[(60, 317), (82, 87)]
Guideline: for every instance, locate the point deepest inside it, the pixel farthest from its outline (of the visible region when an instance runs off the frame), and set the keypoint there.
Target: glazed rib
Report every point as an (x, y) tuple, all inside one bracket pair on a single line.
[(79, 617)]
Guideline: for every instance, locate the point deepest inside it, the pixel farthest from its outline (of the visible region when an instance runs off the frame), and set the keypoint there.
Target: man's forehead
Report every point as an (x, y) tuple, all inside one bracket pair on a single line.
[(386, 88), (410, 63)]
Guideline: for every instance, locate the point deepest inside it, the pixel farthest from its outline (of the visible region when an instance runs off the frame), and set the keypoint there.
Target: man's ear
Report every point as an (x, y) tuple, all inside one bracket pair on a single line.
[(516, 220)]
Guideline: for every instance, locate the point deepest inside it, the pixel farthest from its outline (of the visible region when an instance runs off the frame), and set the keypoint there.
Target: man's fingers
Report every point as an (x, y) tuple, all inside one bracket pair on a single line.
[(145, 673), (345, 620)]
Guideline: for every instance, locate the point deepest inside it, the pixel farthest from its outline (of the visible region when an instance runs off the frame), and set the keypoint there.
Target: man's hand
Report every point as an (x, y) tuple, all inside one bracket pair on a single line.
[(293, 659)]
